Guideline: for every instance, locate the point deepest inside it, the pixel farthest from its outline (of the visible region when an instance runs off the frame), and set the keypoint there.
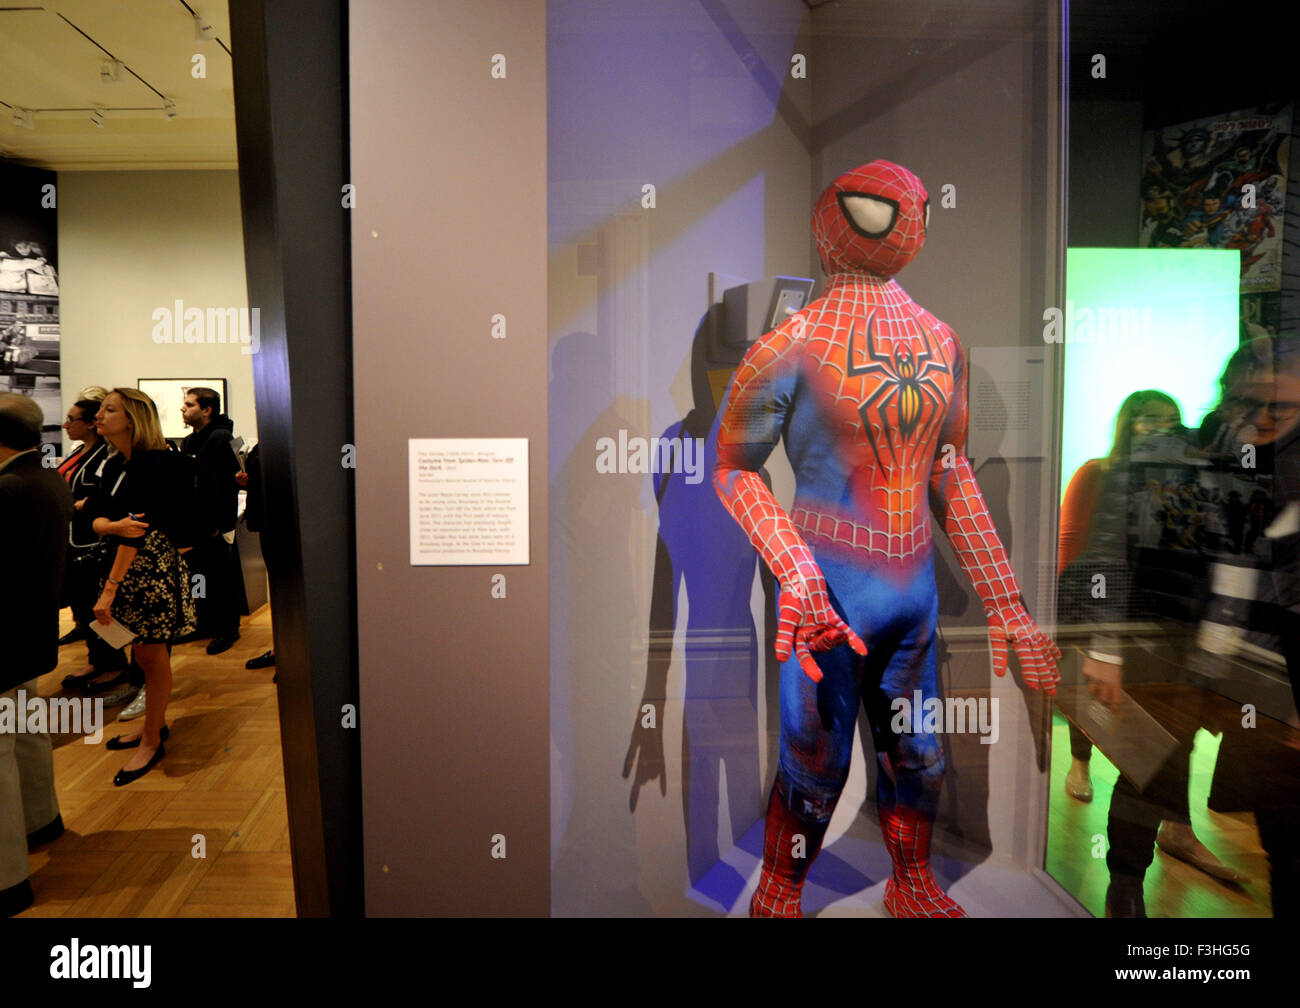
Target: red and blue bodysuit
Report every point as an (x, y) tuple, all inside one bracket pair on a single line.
[(868, 389)]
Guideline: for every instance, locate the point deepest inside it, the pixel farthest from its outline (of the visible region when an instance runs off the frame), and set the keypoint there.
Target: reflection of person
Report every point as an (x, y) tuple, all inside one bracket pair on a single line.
[(1162, 587), (1262, 394), (1143, 414), (147, 589), (1264, 401), (1259, 410), (35, 508), (868, 390)]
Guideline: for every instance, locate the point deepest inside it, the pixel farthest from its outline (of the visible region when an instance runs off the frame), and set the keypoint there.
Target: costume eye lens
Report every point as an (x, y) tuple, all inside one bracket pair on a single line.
[(872, 216), (926, 225)]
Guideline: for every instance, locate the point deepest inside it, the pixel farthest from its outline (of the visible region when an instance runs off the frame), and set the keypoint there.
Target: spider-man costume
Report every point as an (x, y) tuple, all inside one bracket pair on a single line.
[(868, 389)]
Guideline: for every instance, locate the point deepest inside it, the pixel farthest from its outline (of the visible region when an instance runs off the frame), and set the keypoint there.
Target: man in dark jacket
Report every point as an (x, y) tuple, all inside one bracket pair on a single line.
[(35, 511), (218, 601)]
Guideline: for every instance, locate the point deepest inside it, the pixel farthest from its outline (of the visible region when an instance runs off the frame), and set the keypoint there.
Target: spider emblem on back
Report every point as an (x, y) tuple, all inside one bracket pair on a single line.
[(909, 383)]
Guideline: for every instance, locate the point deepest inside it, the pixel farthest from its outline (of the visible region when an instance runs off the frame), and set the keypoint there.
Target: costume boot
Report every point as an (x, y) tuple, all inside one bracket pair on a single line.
[(790, 842), (912, 890)]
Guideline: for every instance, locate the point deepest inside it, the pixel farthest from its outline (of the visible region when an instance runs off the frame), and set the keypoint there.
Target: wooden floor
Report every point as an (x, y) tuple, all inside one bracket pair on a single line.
[(1172, 888), (219, 792)]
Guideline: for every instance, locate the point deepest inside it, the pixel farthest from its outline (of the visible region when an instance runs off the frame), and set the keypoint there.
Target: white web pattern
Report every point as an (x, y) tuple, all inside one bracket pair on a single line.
[(898, 463)]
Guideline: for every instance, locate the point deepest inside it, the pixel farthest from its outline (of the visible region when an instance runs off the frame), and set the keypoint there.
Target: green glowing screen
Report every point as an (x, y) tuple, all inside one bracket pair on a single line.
[(1142, 319)]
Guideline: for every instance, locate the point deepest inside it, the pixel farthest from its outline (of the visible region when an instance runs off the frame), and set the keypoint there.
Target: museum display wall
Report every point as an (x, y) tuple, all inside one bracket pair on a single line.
[(132, 243), (446, 237)]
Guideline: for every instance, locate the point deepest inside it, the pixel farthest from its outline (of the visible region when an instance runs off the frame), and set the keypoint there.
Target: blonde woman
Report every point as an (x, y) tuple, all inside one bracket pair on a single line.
[(140, 506)]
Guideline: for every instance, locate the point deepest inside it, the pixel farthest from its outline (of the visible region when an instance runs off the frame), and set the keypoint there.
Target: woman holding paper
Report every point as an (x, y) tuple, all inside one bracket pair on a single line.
[(139, 505)]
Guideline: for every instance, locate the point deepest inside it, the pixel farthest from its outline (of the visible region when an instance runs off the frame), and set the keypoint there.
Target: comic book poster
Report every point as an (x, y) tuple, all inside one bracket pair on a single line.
[(1220, 182)]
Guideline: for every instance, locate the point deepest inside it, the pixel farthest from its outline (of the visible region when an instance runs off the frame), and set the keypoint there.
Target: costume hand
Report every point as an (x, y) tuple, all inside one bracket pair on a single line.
[(131, 527), (1037, 654), (808, 622), (646, 751), (241, 478), (1105, 681)]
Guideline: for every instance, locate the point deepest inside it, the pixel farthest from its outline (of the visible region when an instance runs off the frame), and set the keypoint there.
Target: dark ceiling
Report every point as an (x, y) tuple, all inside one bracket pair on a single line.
[(1181, 58)]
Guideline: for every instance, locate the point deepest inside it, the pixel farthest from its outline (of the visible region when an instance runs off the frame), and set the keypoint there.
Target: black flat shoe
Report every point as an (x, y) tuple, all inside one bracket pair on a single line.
[(104, 686), (124, 777), (74, 635), (261, 661), (80, 682), (116, 741), (220, 645)]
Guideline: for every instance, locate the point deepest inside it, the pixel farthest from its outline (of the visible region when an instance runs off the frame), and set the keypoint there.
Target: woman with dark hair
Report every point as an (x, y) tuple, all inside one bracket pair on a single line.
[(81, 581), (79, 425), (140, 505), (1144, 414)]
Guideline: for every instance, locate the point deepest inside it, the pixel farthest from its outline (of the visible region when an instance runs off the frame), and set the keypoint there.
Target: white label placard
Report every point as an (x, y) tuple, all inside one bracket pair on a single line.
[(469, 501), (1006, 402)]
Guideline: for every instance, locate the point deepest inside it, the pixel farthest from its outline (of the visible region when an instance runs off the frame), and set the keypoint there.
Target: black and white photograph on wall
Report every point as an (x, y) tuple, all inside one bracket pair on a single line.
[(29, 291)]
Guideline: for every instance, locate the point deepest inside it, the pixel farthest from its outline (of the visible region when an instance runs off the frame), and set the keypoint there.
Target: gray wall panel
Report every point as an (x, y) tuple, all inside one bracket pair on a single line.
[(449, 166)]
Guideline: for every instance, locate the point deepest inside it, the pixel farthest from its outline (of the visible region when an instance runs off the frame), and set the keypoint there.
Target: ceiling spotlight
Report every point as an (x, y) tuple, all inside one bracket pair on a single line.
[(97, 118), (110, 71), (203, 30), (169, 109)]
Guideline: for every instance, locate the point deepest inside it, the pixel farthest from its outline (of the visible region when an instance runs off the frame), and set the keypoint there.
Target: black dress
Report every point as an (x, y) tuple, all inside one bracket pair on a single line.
[(155, 599)]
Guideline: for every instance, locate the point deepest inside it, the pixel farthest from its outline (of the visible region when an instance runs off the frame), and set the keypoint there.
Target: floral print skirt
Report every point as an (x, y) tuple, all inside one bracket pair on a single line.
[(154, 599)]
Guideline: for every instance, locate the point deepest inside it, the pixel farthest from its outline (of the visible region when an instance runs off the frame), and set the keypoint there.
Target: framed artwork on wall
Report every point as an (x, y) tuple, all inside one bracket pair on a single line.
[(168, 395)]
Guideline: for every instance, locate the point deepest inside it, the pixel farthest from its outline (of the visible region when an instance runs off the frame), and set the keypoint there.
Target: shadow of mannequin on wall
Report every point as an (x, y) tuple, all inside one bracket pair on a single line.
[(700, 549), (596, 523)]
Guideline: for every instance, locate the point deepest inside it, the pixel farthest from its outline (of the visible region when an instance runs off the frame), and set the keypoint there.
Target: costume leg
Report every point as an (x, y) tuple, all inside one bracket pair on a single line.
[(911, 770), (790, 842), (817, 721)]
